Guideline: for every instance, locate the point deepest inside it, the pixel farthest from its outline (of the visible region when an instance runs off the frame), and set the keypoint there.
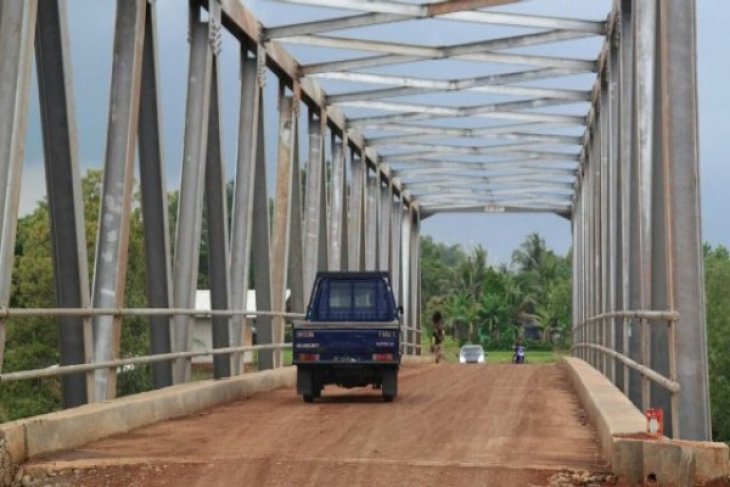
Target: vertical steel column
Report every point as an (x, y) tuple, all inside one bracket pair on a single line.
[(677, 69), (363, 183), (314, 203), (295, 273), (417, 264), (386, 196), (594, 167), (110, 271), (625, 79), (355, 237), (603, 220), (606, 250), (644, 113), (615, 232), (65, 199), (395, 236), (216, 206), (372, 189), (281, 228), (337, 204), (415, 282), (575, 268), (586, 256), (323, 260), (260, 232), (406, 273), (630, 201), (189, 212), (242, 216), (154, 202), (17, 29)]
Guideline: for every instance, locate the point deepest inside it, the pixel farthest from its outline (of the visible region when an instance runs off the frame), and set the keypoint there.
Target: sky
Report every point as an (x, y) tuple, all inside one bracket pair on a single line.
[(91, 25)]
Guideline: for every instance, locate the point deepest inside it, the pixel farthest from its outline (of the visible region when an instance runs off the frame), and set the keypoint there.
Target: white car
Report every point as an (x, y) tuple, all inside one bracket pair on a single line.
[(472, 354)]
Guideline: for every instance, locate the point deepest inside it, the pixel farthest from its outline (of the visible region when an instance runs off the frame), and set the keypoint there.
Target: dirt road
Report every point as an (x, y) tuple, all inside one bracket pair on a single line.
[(451, 425)]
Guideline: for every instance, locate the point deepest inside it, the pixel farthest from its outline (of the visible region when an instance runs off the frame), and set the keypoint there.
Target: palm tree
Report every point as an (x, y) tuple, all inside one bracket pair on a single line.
[(531, 254)]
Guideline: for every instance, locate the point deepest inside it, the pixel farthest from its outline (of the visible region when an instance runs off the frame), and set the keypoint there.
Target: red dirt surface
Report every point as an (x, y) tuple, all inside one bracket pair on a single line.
[(451, 425)]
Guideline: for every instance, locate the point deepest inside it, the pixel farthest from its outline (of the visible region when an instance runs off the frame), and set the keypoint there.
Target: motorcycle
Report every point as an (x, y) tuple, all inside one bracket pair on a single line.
[(519, 356)]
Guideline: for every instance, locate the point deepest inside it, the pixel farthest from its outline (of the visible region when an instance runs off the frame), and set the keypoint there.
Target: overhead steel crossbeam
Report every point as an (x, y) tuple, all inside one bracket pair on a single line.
[(534, 149)]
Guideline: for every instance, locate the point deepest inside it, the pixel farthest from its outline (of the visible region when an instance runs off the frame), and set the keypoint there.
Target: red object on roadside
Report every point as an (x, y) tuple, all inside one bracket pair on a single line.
[(655, 422)]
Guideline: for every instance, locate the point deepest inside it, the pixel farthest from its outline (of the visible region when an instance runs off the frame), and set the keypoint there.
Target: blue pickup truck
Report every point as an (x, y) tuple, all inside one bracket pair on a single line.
[(350, 336)]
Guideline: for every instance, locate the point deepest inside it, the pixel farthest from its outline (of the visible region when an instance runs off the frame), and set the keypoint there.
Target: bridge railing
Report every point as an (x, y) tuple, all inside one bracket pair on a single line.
[(409, 347), (89, 368), (593, 342)]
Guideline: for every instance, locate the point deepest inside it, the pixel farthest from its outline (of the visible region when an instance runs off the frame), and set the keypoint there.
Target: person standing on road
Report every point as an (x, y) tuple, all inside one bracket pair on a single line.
[(437, 337)]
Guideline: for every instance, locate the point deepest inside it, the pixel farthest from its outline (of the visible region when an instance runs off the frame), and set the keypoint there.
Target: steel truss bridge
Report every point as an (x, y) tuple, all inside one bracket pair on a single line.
[(617, 157)]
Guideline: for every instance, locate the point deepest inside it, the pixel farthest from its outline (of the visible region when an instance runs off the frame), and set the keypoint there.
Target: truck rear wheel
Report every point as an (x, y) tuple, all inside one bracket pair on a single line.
[(307, 384), (390, 383)]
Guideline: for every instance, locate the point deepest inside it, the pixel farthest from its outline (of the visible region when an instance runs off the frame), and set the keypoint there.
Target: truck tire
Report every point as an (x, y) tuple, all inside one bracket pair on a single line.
[(390, 383), (305, 383)]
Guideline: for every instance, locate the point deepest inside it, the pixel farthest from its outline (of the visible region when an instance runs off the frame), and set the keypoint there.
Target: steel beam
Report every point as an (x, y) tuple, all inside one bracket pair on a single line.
[(370, 19), (110, 270), (17, 29), (435, 111), (511, 150), (154, 202), (488, 17), (243, 215), (295, 275), (281, 228), (533, 117), (685, 292), (189, 212), (386, 197), (355, 214), (415, 278), (216, 207), (414, 139), (480, 52), (417, 130), (260, 252), (614, 223), (65, 199), (338, 205), (372, 216), (314, 222), (406, 273), (395, 246)]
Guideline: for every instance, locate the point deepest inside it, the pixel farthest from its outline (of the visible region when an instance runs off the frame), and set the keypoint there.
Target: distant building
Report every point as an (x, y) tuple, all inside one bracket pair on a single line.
[(203, 332)]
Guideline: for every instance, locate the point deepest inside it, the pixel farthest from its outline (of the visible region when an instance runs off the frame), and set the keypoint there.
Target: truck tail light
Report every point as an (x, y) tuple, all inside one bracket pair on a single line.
[(308, 357), (382, 357)]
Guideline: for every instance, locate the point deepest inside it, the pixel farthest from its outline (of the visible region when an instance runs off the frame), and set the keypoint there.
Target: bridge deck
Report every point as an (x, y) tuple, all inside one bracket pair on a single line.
[(451, 425)]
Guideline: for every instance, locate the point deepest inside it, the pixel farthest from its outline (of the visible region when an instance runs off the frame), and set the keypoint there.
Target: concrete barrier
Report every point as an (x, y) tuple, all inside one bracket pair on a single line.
[(634, 456), (28, 438)]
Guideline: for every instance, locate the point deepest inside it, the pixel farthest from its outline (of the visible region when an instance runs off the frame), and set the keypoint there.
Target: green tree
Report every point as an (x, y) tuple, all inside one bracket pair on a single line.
[(717, 282)]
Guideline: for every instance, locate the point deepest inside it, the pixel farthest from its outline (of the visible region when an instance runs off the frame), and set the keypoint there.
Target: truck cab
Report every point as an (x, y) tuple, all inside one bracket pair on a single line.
[(350, 335)]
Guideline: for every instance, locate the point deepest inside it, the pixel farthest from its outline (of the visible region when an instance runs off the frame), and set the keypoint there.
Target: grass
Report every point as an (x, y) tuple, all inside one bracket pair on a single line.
[(450, 352), (536, 357)]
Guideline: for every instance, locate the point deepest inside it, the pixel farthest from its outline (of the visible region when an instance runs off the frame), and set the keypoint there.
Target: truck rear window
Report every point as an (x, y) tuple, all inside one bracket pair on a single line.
[(352, 300)]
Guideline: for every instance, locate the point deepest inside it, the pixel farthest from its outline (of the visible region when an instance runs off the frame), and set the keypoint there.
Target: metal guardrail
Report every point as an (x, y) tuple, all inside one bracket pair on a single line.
[(6, 313), (127, 312), (141, 360), (589, 329)]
